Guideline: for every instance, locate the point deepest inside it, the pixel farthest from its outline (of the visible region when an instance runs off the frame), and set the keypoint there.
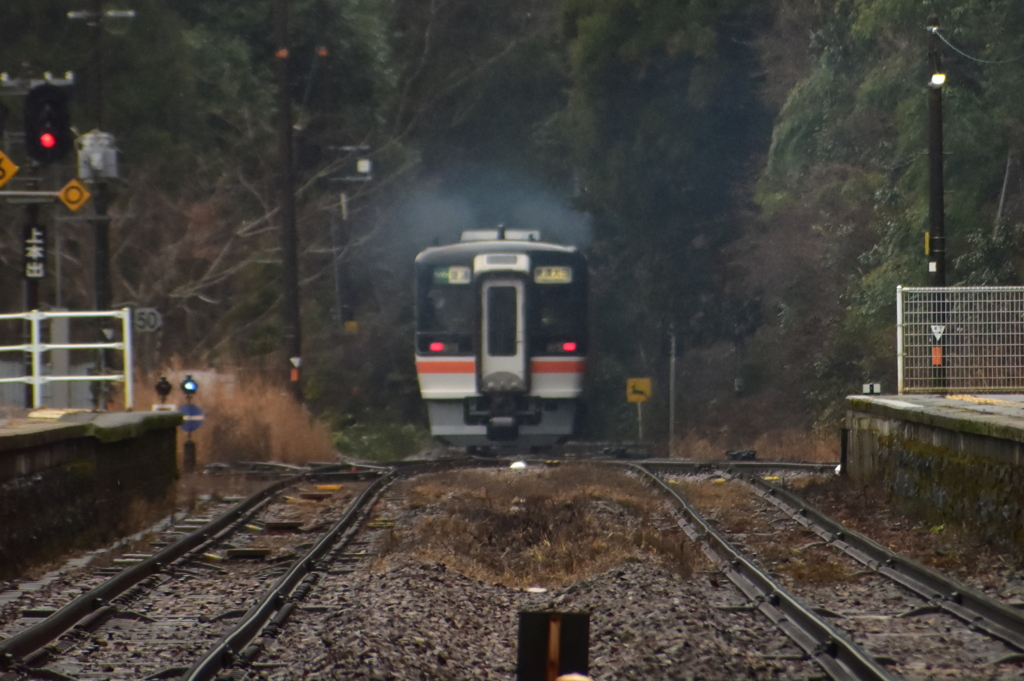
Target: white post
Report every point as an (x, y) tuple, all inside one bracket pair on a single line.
[(126, 336), (899, 339), (37, 398), (640, 421)]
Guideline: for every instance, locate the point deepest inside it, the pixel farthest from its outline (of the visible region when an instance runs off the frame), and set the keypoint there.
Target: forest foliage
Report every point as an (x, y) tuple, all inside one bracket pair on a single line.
[(749, 176)]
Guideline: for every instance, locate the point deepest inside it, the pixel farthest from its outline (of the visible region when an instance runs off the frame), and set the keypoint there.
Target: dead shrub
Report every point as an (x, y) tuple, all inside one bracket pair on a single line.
[(789, 444), (548, 527), (247, 418)]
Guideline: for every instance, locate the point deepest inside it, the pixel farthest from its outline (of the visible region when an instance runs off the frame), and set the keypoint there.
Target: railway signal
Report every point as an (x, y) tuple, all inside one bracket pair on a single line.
[(189, 386), (48, 136), (163, 389), (193, 418)]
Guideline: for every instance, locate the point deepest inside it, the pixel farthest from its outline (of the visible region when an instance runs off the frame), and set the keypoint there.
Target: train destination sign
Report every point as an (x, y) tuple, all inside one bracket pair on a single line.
[(7, 169), (552, 275), (454, 274)]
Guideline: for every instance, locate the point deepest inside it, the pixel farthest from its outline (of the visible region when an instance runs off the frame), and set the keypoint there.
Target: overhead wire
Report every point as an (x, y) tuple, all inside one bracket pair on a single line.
[(935, 30)]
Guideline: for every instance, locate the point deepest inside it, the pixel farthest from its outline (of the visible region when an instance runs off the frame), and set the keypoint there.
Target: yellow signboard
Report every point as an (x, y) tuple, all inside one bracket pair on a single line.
[(7, 169), (73, 195), (638, 389)]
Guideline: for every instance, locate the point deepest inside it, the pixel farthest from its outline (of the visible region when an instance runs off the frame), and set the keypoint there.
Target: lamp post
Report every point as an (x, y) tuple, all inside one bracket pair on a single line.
[(936, 205), (286, 182), (936, 250), (103, 195)]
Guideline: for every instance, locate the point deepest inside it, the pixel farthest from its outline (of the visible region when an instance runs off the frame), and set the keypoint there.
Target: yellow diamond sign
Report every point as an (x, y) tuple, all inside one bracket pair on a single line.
[(7, 169), (73, 195)]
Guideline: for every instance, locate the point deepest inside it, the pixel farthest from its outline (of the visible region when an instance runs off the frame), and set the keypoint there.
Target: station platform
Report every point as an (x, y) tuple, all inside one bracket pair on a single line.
[(69, 479), (949, 458)]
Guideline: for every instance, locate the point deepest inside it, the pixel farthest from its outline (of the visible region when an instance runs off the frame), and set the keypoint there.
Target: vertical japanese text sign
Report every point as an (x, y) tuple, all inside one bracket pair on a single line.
[(35, 251)]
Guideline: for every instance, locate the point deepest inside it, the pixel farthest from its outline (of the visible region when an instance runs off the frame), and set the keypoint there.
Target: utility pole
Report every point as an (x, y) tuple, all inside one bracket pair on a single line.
[(936, 206), (103, 194), (289, 235)]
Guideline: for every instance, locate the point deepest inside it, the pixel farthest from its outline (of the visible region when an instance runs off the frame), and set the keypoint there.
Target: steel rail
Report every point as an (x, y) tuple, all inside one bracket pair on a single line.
[(674, 465), (838, 656), (233, 643), (226, 650), (43, 633), (939, 590)]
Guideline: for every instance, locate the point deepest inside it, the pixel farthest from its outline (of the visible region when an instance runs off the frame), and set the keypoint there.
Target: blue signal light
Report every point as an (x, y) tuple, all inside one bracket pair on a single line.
[(189, 385)]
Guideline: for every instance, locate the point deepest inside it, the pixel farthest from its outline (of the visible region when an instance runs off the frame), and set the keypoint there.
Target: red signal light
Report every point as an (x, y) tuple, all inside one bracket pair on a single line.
[(47, 140), (569, 347), (436, 347)]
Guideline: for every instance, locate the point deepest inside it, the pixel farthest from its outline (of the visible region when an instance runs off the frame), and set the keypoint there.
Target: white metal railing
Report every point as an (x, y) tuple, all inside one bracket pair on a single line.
[(35, 347), (960, 339)]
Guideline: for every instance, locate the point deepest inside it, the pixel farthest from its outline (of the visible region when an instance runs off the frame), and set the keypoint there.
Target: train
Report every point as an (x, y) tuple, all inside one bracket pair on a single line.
[(501, 339)]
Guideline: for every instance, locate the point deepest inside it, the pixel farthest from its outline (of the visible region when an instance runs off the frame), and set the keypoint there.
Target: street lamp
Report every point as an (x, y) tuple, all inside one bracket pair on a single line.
[(936, 243)]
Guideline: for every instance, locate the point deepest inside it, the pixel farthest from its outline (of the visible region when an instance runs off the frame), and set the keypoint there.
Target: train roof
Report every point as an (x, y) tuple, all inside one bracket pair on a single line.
[(471, 248)]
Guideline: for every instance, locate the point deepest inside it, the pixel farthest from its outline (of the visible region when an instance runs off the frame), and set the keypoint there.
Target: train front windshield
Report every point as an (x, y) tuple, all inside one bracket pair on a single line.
[(446, 309), (447, 317), (558, 311)]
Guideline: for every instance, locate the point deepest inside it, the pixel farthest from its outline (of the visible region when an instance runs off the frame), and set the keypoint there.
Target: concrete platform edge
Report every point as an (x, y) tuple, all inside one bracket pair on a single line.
[(985, 425), (105, 427)]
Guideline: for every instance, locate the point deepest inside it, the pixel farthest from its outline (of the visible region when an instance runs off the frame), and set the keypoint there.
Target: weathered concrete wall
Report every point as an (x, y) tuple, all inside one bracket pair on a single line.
[(73, 485), (944, 466)]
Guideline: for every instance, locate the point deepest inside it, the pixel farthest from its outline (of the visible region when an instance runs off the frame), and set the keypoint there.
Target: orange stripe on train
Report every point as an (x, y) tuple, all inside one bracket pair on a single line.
[(447, 367), (469, 367)]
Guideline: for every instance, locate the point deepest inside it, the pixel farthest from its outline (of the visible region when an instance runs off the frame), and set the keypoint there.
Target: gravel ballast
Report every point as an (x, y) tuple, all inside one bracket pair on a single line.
[(422, 621)]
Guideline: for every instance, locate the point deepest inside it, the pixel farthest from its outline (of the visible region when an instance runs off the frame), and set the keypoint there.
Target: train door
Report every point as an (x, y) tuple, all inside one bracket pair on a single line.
[(503, 350)]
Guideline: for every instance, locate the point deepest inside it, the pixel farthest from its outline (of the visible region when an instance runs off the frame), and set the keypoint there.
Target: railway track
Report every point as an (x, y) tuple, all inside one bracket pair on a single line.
[(256, 590), (858, 606), (223, 580)]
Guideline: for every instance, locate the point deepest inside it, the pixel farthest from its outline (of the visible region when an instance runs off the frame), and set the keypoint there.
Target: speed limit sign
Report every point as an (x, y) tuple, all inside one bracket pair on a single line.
[(147, 319)]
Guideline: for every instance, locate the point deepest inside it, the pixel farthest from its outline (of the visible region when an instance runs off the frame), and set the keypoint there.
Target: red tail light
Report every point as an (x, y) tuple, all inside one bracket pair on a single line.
[(436, 347), (569, 347), (47, 140)]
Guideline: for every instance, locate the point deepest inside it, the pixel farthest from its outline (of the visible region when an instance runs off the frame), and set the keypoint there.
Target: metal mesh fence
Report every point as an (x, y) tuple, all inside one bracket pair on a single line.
[(960, 339)]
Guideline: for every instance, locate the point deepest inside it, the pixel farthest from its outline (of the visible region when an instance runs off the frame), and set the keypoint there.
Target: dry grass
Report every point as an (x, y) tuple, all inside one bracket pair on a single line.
[(539, 527), (247, 418), (790, 444)]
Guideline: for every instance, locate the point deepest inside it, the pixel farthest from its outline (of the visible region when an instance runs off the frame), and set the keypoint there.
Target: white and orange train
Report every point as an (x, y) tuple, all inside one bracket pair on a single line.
[(501, 338)]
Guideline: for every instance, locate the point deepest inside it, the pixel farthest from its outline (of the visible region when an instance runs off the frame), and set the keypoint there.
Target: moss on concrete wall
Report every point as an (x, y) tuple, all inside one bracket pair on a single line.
[(93, 493), (942, 475)]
